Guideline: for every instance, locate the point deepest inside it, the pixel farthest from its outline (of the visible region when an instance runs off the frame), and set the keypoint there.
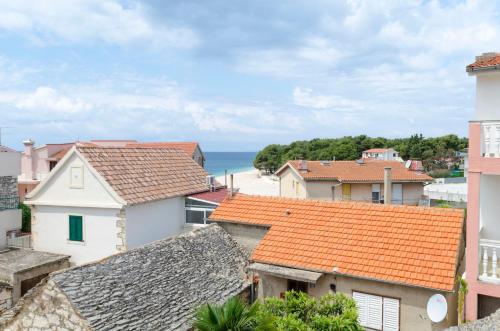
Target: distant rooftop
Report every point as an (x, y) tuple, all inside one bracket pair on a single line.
[(486, 61)]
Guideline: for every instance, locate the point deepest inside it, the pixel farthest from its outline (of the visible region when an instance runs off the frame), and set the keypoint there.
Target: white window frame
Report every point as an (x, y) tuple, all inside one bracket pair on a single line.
[(204, 210), (380, 305)]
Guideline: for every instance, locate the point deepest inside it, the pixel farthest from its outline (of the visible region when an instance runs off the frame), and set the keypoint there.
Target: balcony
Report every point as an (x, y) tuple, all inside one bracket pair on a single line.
[(489, 270), (490, 139)]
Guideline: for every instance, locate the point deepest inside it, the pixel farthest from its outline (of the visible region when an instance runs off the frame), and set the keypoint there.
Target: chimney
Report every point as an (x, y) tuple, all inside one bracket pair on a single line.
[(302, 165), (387, 185), (231, 188), (27, 163)]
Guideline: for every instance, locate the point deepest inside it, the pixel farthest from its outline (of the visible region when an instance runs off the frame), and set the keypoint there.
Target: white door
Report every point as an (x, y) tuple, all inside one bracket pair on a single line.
[(397, 194)]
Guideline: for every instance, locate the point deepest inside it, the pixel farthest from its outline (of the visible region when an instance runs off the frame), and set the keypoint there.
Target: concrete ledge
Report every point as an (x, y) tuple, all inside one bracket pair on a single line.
[(285, 272)]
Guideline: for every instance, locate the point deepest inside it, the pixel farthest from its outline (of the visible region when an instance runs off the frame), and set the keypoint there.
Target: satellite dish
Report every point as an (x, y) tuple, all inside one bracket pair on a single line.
[(408, 164), (437, 308)]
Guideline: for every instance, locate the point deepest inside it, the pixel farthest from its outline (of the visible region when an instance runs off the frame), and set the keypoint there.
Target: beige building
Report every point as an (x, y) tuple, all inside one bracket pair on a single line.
[(361, 180), (390, 259)]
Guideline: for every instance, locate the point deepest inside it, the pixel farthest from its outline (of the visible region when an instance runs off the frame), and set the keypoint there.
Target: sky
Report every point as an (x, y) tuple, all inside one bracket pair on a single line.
[(238, 75)]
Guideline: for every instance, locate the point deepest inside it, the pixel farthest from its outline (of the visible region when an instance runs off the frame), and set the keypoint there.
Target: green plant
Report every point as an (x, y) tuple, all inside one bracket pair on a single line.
[(26, 218), (300, 312), (463, 289), (233, 315)]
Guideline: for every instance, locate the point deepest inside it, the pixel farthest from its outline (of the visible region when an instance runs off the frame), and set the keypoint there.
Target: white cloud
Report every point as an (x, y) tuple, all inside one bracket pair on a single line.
[(87, 21), (305, 97), (46, 98)]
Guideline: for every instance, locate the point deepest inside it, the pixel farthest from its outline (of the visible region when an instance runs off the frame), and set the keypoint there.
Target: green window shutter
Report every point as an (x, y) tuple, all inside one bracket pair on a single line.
[(75, 228)]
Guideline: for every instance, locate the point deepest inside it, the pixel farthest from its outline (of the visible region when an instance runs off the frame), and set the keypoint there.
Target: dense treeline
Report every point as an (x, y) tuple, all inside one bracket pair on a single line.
[(435, 153)]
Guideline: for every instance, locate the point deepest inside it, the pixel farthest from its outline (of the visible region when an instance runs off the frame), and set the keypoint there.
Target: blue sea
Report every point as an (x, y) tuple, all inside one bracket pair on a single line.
[(217, 162)]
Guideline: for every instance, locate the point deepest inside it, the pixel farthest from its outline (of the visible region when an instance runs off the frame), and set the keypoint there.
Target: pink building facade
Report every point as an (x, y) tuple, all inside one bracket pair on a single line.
[(483, 206)]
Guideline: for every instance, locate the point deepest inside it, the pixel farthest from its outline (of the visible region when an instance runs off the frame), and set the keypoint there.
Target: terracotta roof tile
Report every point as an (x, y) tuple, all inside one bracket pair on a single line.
[(377, 150), (405, 244), (187, 147), (485, 62), (351, 172), (146, 174)]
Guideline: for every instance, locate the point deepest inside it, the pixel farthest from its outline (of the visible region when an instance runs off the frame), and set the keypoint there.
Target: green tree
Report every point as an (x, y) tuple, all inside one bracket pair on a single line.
[(233, 315)]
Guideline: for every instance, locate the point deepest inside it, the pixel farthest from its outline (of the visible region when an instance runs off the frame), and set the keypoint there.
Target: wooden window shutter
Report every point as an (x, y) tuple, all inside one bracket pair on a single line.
[(75, 228)]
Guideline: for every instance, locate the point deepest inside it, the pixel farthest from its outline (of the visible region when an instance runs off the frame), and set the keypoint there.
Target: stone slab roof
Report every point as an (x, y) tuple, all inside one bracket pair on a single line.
[(158, 286), (146, 174), (490, 323)]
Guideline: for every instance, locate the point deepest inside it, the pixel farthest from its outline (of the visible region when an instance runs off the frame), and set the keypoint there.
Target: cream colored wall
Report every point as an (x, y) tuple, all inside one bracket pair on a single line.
[(413, 300), (412, 192), (321, 190), (287, 188)]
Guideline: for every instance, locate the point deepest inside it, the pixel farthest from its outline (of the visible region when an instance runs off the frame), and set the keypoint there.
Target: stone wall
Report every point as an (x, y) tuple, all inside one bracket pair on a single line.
[(5, 298), (8, 192), (248, 236), (45, 307)]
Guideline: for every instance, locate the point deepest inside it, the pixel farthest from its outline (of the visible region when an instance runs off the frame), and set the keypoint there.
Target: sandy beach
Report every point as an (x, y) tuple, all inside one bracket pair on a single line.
[(250, 182)]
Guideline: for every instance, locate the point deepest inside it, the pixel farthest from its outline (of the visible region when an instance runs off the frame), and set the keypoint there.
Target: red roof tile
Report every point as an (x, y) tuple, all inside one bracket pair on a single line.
[(371, 171), (487, 61), (146, 174), (403, 244), (187, 147), (377, 150), (216, 196)]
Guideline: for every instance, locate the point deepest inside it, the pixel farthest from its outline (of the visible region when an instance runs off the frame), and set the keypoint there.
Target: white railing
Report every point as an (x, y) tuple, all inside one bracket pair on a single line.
[(490, 134), (488, 268), (23, 241)]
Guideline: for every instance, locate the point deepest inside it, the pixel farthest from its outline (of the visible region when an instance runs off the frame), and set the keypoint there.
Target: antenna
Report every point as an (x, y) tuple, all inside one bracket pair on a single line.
[(1, 128), (437, 308)]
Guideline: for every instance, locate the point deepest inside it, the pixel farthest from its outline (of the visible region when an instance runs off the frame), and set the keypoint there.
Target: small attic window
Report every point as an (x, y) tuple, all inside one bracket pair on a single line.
[(76, 177)]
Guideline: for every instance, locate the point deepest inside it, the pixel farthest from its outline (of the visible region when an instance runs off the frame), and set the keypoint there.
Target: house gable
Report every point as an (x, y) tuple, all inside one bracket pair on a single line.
[(74, 182)]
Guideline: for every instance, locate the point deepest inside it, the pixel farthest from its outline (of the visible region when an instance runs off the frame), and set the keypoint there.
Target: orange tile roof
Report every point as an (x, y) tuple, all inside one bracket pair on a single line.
[(416, 246), (371, 171), (488, 61), (187, 147), (60, 154), (146, 174)]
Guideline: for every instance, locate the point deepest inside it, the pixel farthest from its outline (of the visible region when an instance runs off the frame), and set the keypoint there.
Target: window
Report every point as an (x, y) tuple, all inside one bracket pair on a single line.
[(198, 211), (297, 188), (296, 286), (76, 177), (377, 312), (52, 165), (376, 193), (75, 228)]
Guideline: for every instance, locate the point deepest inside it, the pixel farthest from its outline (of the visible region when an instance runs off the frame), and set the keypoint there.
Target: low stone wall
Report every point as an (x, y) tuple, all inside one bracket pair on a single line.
[(5, 297), (45, 307)]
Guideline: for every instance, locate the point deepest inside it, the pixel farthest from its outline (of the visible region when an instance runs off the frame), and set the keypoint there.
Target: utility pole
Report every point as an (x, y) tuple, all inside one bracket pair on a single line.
[(1, 132)]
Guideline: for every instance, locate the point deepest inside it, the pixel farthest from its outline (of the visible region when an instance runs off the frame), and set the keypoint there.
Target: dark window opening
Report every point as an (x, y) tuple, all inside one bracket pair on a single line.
[(297, 286), (52, 165)]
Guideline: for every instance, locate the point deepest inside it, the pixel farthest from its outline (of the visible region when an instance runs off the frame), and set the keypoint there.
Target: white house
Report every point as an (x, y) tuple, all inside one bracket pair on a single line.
[(387, 154), (98, 201)]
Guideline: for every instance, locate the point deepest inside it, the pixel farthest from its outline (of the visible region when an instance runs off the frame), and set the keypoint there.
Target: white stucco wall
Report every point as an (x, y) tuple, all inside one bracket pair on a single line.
[(9, 220), (152, 221), (50, 232), (288, 181), (59, 190), (487, 96), (58, 199), (10, 164), (489, 208), (156, 220)]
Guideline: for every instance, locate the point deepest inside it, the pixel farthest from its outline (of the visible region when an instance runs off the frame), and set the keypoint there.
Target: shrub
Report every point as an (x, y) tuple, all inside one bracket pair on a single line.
[(26, 218)]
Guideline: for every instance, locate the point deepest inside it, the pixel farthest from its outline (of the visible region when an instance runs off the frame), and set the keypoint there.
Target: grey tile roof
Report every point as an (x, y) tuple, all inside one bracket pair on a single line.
[(157, 286)]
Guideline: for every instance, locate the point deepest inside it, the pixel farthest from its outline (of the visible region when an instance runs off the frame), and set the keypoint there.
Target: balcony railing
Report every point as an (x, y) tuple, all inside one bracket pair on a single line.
[(490, 136), (489, 270), (9, 202)]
